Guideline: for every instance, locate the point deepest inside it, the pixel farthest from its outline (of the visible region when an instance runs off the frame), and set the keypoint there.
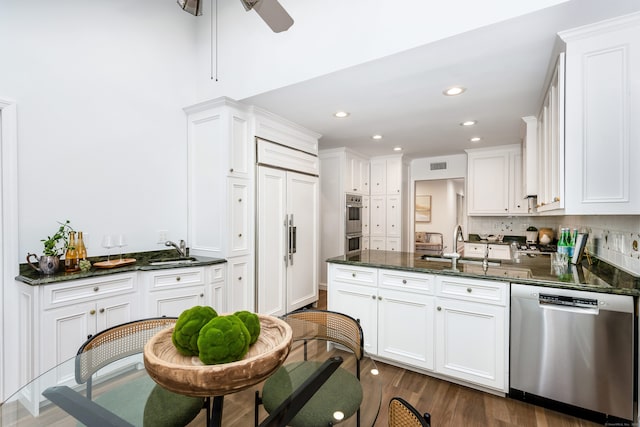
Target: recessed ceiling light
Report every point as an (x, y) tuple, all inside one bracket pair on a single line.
[(476, 139), (455, 90), (469, 123), (376, 136), (341, 114), (397, 148)]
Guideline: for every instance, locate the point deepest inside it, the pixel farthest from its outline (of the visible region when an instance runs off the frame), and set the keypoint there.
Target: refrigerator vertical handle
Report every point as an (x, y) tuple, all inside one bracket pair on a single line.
[(288, 242), (292, 239)]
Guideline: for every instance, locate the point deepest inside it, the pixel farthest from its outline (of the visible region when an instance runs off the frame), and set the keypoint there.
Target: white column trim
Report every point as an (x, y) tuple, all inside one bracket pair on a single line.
[(9, 249)]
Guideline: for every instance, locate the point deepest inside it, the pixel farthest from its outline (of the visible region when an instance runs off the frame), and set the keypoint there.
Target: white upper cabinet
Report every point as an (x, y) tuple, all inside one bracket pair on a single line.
[(529, 137), (551, 143), (357, 174), (275, 129), (378, 170), (602, 117), (494, 181), (394, 176)]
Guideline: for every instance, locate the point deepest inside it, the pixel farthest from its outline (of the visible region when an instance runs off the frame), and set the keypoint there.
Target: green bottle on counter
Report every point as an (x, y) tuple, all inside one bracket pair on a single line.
[(572, 241), (563, 243)]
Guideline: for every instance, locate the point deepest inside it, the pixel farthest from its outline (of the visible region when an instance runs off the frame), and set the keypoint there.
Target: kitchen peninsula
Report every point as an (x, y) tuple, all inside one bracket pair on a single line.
[(458, 324), (534, 270)]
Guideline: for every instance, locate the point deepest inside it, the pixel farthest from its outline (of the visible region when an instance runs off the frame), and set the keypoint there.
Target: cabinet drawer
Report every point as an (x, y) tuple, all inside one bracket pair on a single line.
[(357, 275), (218, 273), (83, 290), (163, 279), (485, 291), (474, 250), (499, 251), (406, 281)]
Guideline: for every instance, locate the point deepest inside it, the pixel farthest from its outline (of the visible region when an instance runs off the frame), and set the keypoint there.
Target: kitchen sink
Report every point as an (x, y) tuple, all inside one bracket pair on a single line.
[(170, 261), (460, 260)]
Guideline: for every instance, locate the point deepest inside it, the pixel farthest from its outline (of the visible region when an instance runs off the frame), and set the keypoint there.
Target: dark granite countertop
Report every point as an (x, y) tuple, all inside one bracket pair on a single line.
[(533, 270), (31, 277)]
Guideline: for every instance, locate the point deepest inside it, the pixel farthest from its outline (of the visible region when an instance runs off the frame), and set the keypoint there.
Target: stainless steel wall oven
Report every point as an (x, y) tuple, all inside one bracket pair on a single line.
[(353, 214), (353, 244)]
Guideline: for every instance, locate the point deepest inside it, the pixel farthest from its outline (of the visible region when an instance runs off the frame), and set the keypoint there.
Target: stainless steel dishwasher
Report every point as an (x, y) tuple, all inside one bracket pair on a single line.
[(573, 347)]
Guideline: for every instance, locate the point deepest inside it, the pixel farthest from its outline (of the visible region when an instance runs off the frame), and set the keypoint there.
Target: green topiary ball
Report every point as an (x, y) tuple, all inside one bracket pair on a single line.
[(185, 333), (224, 339), (252, 322)]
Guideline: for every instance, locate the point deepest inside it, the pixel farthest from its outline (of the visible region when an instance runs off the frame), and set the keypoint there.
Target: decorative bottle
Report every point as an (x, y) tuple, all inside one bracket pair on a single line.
[(563, 244), (82, 250), (572, 241), (71, 256)]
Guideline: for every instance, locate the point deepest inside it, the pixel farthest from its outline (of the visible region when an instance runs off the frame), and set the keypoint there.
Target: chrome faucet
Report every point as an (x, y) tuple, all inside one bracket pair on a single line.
[(454, 255), (485, 260), (182, 248)]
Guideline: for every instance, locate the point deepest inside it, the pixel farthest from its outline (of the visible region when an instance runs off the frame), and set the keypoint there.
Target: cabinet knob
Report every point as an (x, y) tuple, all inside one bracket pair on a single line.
[(353, 274), (178, 279), (373, 297), (201, 295), (556, 199), (469, 290), (404, 282), (92, 312), (439, 308), (96, 289), (240, 278), (231, 170), (380, 298), (506, 209), (240, 235), (518, 206), (102, 310), (239, 200), (355, 189)]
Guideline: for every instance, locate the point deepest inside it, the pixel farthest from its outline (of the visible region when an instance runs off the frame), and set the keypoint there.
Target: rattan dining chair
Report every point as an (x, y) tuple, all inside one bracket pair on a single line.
[(403, 414), (328, 326), (161, 407)]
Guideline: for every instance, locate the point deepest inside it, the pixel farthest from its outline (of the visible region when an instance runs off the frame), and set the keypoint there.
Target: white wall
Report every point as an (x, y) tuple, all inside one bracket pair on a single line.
[(99, 88), (329, 35)]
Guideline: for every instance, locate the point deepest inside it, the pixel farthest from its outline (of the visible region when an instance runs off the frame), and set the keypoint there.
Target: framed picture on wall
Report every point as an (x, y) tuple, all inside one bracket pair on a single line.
[(423, 208)]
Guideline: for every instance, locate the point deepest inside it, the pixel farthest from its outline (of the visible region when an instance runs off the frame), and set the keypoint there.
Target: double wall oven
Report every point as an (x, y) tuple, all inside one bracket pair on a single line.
[(353, 224)]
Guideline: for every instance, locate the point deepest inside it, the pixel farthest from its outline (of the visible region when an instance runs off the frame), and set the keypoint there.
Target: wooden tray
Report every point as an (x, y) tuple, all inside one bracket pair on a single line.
[(189, 376), (114, 263)]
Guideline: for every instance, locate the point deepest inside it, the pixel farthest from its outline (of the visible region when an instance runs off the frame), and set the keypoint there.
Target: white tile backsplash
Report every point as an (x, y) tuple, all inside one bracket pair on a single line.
[(611, 237)]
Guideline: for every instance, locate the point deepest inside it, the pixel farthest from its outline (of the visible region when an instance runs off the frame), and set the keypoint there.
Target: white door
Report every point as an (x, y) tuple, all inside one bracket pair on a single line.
[(359, 302), (470, 342), (271, 244), (412, 345), (303, 210)]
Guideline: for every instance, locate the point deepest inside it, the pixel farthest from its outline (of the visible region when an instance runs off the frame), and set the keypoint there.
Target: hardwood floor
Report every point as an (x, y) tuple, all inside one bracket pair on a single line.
[(451, 405)]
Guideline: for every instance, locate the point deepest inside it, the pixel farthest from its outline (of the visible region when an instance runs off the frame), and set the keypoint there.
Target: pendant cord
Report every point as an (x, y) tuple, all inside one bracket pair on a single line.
[(214, 59)]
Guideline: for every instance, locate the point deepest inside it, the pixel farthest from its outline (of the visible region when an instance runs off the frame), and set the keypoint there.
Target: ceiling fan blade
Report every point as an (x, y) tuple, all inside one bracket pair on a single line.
[(272, 12), (248, 4), (194, 7)]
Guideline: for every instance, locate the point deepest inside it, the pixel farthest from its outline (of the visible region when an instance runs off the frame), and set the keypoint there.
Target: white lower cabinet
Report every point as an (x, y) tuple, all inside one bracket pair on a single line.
[(471, 321), (171, 291), (405, 327), (239, 285), (394, 309), (453, 326), (71, 312)]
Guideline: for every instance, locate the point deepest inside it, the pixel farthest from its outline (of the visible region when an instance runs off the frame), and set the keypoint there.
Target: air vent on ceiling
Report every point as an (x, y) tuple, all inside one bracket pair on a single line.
[(438, 166)]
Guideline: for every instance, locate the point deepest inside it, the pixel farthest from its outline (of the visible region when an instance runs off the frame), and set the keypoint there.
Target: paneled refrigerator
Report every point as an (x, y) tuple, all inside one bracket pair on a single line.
[(287, 238)]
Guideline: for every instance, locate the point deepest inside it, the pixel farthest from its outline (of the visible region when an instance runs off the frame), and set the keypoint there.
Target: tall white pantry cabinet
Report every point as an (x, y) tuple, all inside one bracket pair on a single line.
[(223, 194)]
